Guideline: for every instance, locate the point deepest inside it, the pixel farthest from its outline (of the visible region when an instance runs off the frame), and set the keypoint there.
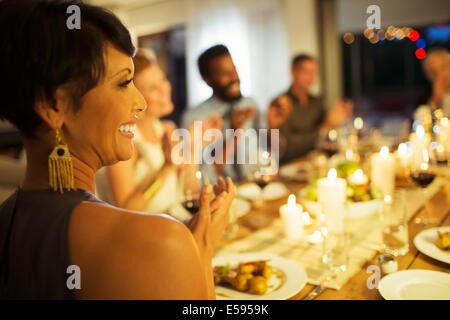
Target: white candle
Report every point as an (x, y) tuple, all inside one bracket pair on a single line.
[(419, 142), (291, 215), (383, 171), (358, 178), (331, 192)]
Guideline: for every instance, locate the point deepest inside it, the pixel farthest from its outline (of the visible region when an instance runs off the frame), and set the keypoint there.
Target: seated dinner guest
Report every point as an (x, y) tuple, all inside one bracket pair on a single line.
[(300, 116), (437, 69), (227, 102), (149, 181), (70, 92)]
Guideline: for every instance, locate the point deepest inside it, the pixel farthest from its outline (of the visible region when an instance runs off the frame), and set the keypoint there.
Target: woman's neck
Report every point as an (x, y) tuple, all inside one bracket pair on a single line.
[(36, 176)]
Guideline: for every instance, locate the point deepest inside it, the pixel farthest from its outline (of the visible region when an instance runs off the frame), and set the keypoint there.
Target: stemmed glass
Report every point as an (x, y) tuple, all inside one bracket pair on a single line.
[(260, 173), (422, 173), (190, 190)]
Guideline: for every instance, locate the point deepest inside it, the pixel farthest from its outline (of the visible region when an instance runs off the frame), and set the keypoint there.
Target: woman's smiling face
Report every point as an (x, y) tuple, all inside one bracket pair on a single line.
[(101, 131)]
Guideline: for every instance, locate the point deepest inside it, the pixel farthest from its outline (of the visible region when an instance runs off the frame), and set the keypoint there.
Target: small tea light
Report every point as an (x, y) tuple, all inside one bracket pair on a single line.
[(291, 215), (358, 178)]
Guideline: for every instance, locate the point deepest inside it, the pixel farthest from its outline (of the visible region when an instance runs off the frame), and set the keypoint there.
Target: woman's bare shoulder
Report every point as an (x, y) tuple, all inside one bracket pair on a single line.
[(128, 254)]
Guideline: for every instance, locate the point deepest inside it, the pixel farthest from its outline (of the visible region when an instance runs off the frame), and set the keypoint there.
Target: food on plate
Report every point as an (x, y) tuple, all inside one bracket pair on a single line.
[(258, 285), (443, 241), (355, 193), (249, 276), (346, 169)]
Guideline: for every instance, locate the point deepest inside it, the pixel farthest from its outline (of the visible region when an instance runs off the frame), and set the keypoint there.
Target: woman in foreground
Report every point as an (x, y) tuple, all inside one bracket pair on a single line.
[(70, 92)]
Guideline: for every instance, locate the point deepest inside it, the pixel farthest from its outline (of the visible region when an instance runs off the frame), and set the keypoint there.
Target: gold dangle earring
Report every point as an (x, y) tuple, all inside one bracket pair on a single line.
[(60, 166)]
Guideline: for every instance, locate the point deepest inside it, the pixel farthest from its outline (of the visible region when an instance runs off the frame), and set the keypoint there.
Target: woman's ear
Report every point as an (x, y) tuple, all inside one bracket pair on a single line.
[(53, 113)]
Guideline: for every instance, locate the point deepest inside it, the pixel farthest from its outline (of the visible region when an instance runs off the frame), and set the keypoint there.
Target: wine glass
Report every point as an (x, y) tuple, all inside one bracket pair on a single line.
[(190, 190), (261, 172), (423, 175)]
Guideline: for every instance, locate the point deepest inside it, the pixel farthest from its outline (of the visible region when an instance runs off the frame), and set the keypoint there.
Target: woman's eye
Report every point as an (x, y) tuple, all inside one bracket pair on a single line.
[(125, 83)]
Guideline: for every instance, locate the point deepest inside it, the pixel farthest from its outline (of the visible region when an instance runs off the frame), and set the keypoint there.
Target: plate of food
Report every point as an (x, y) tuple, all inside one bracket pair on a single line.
[(435, 243), (362, 200), (415, 285), (257, 276)]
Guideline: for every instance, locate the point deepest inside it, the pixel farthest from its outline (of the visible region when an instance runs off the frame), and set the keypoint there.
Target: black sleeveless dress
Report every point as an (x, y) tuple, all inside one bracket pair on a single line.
[(34, 264)]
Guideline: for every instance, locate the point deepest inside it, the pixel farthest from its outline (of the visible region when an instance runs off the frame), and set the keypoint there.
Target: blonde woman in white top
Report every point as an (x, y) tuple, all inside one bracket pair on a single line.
[(149, 181)]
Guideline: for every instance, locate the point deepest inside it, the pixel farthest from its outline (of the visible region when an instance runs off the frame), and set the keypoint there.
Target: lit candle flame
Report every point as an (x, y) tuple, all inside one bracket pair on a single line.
[(384, 151), (198, 174), (291, 201), (306, 218), (358, 123), (332, 174), (402, 149), (420, 131), (332, 135)]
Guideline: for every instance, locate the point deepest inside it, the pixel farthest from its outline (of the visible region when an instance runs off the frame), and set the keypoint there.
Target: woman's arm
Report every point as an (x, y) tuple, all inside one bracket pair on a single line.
[(127, 194)]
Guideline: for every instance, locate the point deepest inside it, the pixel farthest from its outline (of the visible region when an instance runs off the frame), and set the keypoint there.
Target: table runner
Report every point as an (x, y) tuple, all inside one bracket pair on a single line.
[(364, 236)]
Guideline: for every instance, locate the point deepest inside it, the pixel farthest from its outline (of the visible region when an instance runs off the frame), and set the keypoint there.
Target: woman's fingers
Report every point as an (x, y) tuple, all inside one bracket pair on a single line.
[(218, 202), (205, 210), (220, 186)]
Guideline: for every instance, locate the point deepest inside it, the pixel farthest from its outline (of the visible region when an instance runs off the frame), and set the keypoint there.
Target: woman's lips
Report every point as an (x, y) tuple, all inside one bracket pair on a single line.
[(128, 129)]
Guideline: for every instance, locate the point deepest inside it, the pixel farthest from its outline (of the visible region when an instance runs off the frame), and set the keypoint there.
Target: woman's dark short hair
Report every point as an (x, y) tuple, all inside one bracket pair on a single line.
[(208, 55), (39, 54)]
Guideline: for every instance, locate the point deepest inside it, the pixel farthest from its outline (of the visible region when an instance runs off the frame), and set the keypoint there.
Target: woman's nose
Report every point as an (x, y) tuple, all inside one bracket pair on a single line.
[(140, 105)]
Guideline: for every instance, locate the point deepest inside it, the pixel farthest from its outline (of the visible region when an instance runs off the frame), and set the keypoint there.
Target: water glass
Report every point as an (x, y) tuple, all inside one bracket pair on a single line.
[(394, 224)]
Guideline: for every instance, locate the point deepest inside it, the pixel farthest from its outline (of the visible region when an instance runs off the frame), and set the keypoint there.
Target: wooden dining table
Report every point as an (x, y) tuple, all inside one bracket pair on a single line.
[(356, 288)]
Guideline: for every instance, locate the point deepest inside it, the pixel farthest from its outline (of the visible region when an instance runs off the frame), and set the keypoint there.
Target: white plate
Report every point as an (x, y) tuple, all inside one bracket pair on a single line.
[(296, 171), (415, 285), (425, 242), (241, 207), (251, 191), (289, 279)]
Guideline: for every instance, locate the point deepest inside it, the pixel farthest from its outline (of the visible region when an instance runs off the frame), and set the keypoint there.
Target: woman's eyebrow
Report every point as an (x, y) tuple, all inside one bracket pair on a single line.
[(125, 69)]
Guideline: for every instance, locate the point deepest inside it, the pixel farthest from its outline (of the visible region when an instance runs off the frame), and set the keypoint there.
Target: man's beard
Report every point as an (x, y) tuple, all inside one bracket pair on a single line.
[(222, 93)]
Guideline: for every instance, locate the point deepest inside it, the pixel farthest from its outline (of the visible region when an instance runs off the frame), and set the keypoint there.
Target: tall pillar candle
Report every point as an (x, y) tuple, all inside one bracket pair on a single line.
[(331, 192), (383, 171)]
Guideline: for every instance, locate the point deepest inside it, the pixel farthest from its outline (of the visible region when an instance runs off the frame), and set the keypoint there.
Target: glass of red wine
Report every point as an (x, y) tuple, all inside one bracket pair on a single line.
[(422, 173), (191, 188)]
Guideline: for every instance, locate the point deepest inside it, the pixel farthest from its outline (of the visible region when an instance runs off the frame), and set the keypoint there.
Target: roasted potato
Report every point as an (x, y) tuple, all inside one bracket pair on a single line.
[(258, 285), (241, 282)]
